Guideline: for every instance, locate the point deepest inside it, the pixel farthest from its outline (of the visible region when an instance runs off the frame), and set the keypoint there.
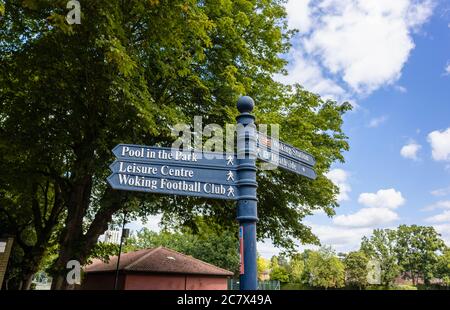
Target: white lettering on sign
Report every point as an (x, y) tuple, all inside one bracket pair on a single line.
[(176, 185), (185, 156), (180, 186), (136, 168), (138, 181), (147, 153), (138, 152), (214, 189), (177, 172), (277, 145)]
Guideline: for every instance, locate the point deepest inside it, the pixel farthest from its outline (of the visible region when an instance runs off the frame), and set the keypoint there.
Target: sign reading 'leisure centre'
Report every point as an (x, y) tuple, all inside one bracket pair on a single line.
[(213, 175)]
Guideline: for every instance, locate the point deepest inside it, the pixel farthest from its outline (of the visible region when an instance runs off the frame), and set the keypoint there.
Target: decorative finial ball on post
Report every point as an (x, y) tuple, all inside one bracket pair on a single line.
[(245, 104)]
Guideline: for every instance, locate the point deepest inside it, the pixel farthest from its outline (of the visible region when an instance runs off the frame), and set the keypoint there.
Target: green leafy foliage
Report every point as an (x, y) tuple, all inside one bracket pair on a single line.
[(103, 251), (296, 269), (127, 74), (382, 247), (443, 267), (263, 266), (417, 250), (217, 248), (410, 251), (323, 269), (277, 271), (356, 269)]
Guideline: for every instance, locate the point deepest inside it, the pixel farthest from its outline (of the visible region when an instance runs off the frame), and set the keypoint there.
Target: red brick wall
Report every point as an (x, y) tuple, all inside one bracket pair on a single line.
[(101, 281), (105, 281), (206, 283), (174, 282), (154, 282)]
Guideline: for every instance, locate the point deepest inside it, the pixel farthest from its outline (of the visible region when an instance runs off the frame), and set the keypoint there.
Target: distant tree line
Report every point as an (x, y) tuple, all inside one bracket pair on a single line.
[(413, 253)]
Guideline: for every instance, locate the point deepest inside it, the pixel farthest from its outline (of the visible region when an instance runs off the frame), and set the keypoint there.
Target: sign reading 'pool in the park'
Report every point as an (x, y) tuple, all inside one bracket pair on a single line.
[(168, 171)]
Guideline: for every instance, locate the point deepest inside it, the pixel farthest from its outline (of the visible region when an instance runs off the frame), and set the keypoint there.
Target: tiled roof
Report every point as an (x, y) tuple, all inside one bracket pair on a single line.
[(158, 260)]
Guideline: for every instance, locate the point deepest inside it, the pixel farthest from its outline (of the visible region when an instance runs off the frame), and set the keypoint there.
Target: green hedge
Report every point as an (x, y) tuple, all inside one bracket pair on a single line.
[(301, 286)]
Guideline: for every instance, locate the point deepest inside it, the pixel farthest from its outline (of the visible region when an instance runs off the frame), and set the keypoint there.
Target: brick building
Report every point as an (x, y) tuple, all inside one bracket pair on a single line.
[(155, 269)]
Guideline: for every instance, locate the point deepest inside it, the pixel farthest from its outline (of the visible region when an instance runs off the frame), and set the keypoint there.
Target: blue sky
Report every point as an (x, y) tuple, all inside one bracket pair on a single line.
[(391, 59), (398, 168)]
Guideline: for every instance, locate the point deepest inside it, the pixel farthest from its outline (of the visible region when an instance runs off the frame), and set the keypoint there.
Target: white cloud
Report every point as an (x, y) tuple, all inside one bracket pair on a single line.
[(384, 198), (447, 69), (266, 249), (438, 218), (440, 144), (366, 217), (152, 223), (442, 204), (377, 121), (441, 191), (299, 15), (308, 73), (400, 89), (352, 46), (341, 238), (444, 230), (346, 230), (340, 178), (410, 150)]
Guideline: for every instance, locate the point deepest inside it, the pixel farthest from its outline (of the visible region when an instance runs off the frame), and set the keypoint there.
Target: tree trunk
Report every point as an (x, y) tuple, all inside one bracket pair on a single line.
[(77, 206), (26, 281), (76, 245)]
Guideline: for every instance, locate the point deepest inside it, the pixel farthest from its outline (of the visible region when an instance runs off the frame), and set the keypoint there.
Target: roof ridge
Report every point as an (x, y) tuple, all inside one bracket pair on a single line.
[(192, 257), (151, 251)]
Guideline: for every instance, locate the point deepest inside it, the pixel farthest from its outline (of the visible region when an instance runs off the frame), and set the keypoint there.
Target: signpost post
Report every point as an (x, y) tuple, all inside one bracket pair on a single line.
[(213, 175), (247, 214)]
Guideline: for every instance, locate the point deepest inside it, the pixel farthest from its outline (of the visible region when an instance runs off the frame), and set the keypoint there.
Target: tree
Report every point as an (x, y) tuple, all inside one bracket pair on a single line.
[(215, 247), (324, 269), (356, 269), (128, 73), (263, 266), (381, 246), (32, 217), (277, 271), (443, 267), (417, 248), (296, 268)]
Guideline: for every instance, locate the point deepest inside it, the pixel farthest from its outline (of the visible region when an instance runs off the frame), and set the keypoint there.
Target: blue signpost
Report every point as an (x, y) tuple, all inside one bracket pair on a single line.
[(247, 214), (213, 175)]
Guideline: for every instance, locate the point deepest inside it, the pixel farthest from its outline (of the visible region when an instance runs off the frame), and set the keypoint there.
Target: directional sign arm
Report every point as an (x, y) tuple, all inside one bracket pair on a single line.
[(173, 187), (282, 148), (288, 164)]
